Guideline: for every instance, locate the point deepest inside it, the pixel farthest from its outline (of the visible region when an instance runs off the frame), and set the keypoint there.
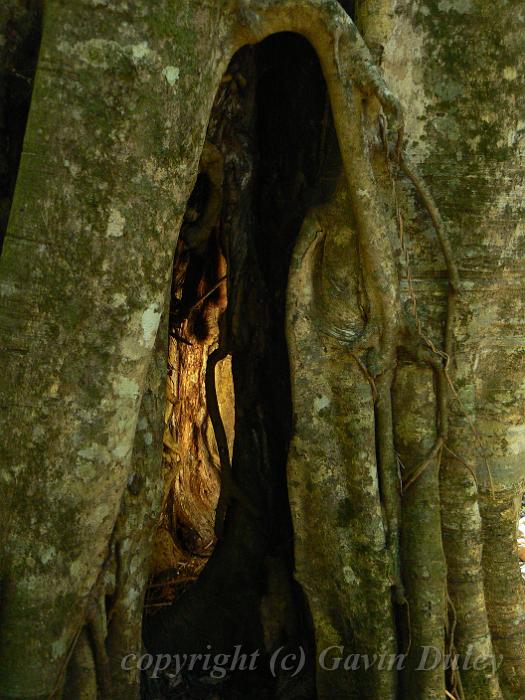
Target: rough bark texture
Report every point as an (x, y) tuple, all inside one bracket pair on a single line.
[(456, 68), (119, 110), (114, 135), (332, 471)]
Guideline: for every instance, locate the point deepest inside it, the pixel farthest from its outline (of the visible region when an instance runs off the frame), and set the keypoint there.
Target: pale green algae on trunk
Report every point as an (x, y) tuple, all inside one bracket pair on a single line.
[(118, 116), (458, 68)]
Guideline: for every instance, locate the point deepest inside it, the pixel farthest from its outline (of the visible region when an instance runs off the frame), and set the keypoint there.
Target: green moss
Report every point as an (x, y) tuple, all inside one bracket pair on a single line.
[(182, 38), (344, 513)]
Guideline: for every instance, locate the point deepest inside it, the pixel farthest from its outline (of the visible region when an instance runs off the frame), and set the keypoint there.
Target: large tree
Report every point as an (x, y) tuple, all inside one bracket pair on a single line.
[(379, 189)]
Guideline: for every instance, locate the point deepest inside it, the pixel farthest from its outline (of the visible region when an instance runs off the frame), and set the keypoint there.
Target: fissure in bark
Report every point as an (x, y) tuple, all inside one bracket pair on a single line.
[(385, 459)]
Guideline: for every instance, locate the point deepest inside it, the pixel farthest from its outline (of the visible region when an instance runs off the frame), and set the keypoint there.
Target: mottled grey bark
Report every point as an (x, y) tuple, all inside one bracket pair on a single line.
[(135, 527), (341, 558), (118, 116), (121, 596), (117, 121), (458, 69)]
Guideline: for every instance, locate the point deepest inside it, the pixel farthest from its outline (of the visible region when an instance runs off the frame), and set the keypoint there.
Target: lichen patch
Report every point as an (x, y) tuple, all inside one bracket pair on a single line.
[(116, 222), (150, 321), (171, 73)]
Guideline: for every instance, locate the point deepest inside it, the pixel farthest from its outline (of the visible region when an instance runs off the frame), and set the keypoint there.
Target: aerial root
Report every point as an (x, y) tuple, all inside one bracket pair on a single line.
[(97, 626), (415, 473)]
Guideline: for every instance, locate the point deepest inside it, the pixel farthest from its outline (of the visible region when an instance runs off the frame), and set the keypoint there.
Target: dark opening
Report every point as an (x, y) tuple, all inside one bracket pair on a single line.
[(227, 580), (17, 70)]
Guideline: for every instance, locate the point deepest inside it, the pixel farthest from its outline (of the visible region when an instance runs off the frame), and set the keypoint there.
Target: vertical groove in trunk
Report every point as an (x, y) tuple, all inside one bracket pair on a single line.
[(504, 589), (423, 561), (463, 543)]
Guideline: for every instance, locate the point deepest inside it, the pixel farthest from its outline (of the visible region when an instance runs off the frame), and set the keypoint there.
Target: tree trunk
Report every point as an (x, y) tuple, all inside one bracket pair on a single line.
[(403, 330)]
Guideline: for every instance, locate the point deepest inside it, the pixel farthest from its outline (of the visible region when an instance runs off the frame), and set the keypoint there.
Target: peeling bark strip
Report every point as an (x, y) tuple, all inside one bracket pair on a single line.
[(117, 123)]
